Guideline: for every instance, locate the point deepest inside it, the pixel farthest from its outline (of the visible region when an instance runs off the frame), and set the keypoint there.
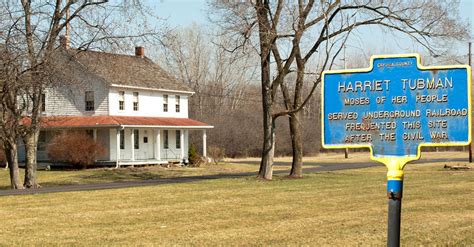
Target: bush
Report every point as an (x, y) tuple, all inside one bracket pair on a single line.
[(216, 153), (75, 148), (195, 159)]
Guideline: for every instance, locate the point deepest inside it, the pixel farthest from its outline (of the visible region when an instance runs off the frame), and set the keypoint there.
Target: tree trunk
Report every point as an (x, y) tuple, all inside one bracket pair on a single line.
[(12, 159), (266, 37), (297, 145), (31, 162), (295, 121), (268, 151)]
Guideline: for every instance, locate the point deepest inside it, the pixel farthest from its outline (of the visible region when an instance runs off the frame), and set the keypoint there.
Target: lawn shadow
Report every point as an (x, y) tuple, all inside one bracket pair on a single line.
[(117, 175)]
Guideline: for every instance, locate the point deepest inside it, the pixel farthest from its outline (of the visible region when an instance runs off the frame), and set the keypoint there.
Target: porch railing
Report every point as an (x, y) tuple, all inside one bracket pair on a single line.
[(171, 155)]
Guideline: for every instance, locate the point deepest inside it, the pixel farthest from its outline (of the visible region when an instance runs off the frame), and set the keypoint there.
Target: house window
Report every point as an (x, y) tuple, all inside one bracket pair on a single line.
[(90, 133), (135, 101), (122, 139), (42, 141), (165, 139), (136, 139), (178, 139), (165, 103), (89, 98), (121, 100), (177, 103), (43, 102)]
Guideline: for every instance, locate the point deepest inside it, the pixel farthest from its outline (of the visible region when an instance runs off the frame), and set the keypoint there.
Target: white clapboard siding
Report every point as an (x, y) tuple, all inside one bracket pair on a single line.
[(150, 103), (69, 100)]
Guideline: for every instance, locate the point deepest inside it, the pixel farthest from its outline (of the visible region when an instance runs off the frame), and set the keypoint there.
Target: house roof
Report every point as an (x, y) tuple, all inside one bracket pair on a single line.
[(118, 121), (127, 70)]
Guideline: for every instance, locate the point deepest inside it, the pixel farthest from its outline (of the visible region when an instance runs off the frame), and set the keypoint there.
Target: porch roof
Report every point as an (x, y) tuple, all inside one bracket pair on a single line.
[(120, 121)]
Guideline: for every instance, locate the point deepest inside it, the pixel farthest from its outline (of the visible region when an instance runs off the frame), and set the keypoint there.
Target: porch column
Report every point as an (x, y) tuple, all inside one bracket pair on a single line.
[(94, 134), (117, 149), (133, 143), (158, 145), (204, 142), (181, 143), (94, 137)]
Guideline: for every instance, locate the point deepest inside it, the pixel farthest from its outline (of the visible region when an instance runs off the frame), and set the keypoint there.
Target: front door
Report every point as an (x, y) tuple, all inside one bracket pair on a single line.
[(146, 140)]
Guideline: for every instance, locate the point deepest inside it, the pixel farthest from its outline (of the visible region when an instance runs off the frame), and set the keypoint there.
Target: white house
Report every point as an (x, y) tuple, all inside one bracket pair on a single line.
[(126, 103)]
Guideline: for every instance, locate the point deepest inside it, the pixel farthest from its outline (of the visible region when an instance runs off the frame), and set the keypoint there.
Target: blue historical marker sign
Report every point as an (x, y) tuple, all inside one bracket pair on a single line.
[(396, 106)]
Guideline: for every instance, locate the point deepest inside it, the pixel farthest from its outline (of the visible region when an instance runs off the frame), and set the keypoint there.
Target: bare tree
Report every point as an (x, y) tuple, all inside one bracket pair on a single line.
[(289, 34), (11, 112), (224, 84), (32, 29), (218, 78), (266, 18)]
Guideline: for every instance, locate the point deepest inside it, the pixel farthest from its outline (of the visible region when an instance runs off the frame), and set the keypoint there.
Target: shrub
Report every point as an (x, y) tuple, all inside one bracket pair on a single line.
[(216, 153), (195, 159), (75, 148)]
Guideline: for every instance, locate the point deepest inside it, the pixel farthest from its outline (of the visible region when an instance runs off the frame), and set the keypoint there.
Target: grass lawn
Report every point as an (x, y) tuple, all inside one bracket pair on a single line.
[(331, 208), (108, 175)]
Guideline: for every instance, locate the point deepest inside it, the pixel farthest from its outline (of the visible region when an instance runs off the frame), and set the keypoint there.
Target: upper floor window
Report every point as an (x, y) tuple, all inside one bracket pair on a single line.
[(136, 139), (89, 98), (121, 100), (43, 102), (178, 139), (135, 101), (165, 103), (165, 139), (178, 103)]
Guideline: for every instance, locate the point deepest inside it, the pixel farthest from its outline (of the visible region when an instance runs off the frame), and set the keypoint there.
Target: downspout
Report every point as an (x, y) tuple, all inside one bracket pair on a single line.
[(117, 163)]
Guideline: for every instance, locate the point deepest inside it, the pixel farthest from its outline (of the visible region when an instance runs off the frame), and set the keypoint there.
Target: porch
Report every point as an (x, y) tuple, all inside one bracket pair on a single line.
[(130, 146), (124, 163), (131, 141)]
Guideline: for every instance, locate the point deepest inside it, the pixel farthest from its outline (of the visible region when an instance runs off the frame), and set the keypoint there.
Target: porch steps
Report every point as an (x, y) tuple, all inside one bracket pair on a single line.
[(164, 163), (172, 163), (130, 163)]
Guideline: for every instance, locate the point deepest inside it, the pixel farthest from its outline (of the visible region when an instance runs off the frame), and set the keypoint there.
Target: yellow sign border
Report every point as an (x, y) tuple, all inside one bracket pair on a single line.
[(395, 162)]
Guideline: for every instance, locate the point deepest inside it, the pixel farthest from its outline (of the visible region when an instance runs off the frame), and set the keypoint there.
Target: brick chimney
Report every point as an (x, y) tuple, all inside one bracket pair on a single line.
[(64, 41), (140, 51)]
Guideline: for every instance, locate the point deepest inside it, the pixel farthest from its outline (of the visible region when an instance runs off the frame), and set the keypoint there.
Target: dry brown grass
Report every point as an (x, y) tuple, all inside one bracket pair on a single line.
[(107, 175), (332, 208), (333, 157)]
